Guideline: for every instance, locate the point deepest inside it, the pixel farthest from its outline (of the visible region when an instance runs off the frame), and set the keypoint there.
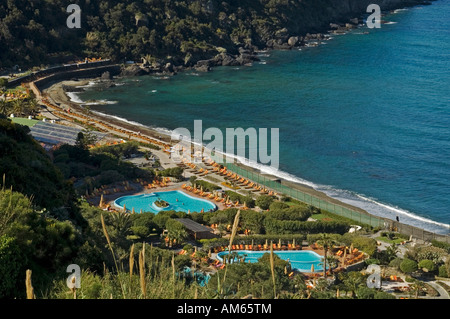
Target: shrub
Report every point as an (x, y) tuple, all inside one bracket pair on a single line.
[(278, 205), (443, 271), (396, 263), (207, 186), (408, 266), (248, 200), (264, 201), (372, 261), (432, 253), (427, 265), (11, 267), (366, 244), (441, 244), (290, 213)]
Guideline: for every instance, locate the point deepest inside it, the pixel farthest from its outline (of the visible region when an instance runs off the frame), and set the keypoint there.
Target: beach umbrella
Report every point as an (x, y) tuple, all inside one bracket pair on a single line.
[(124, 208), (279, 243), (189, 211), (351, 249), (140, 211), (266, 243), (202, 211), (101, 202), (132, 211), (312, 267), (293, 242)]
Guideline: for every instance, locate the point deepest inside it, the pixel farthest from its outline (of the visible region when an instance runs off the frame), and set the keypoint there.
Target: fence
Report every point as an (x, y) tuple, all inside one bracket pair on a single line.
[(364, 218)]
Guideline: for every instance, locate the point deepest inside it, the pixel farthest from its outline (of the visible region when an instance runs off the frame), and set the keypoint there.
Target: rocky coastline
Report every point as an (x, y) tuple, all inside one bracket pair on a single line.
[(283, 39)]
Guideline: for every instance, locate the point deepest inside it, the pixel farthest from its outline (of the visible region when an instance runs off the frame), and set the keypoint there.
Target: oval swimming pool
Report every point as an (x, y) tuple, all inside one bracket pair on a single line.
[(301, 260), (177, 201)]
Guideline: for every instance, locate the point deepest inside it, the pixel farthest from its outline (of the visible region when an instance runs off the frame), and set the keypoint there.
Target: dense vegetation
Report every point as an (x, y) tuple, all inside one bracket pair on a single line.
[(182, 32), (44, 227)]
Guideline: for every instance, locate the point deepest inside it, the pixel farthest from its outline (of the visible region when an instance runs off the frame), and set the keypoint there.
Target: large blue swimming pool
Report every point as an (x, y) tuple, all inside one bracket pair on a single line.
[(177, 200), (301, 260)]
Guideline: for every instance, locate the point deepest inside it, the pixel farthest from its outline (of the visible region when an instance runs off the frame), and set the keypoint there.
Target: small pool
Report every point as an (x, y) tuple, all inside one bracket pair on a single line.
[(301, 260), (177, 200)]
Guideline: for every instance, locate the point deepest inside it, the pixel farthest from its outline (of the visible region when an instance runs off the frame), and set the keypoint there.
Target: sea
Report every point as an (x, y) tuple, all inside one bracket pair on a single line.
[(363, 117)]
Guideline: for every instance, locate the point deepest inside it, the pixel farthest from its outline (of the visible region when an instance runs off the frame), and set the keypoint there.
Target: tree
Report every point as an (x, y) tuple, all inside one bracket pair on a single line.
[(326, 241), (416, 288), (408, 266), (352, 281), (3, 82), (176, 230), (12, 268), (86, 138), (192, 180), (427, 265), (4, 108), (264, 201)]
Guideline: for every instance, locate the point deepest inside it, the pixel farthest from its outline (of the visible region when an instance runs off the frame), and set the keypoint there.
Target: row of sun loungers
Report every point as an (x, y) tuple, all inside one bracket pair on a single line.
[(258, 247)]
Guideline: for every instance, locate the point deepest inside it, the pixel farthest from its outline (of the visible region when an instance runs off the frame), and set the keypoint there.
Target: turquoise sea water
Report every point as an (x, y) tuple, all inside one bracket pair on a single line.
[(300, 260), (364, 117), (177, 200)]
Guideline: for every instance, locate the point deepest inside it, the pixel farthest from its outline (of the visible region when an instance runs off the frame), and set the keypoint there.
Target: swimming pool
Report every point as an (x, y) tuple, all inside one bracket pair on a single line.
[(301, 260), (177, 200)]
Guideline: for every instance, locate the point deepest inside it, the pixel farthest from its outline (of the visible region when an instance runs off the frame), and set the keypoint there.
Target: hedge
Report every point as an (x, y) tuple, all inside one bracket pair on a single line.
[(273, 226)]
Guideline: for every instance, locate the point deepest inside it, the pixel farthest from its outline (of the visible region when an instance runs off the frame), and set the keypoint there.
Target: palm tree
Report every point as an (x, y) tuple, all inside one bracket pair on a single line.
[(18, 106), (417, 287), (4, 107), (121, 223), (32, 106), (326, 241)]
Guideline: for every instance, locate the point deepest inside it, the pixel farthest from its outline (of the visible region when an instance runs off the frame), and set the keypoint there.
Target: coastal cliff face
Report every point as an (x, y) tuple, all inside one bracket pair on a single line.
[(168, 33)]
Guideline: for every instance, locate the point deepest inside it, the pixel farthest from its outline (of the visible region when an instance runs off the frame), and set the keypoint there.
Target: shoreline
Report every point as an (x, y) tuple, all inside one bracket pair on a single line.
[(56, 93)]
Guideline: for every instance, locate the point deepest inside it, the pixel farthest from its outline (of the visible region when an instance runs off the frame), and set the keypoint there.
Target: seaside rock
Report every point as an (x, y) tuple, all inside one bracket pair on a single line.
[(282, 34), (228, 60), (202, 68), (205, 65), (168, 67), (246, 59), (244, 51), (133, 70), (354, 21), (349, 26), (293, 41), (282, 46), (68, 88), (334, 26), (106, 76)]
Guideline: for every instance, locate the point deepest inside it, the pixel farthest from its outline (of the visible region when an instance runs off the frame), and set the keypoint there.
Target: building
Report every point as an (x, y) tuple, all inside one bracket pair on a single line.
[(197, 230)]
